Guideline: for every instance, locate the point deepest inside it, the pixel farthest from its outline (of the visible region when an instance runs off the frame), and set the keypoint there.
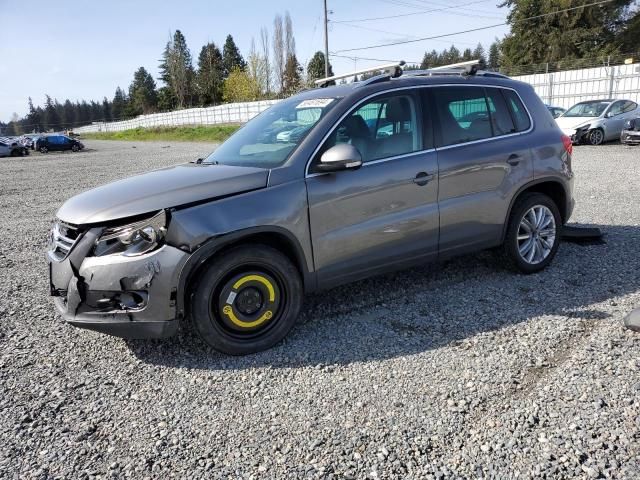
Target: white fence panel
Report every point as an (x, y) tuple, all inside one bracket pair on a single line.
[(562, 89), (565, 89)]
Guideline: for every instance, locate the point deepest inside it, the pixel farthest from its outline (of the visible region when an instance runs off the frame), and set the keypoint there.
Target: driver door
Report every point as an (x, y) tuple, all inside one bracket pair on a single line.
[(385, 214)]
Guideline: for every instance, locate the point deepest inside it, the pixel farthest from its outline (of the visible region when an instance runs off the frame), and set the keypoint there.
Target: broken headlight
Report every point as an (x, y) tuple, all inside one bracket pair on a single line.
[(133, 239)]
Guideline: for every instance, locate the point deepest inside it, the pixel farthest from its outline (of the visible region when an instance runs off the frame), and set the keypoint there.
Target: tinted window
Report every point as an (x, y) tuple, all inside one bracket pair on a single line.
[(385, 127), (616, 108), (629, 107), (501, 120), (518, 112), (463, 113)]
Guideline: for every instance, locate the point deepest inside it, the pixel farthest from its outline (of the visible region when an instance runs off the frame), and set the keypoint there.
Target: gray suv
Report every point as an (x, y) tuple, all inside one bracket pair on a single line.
[(382, 174)]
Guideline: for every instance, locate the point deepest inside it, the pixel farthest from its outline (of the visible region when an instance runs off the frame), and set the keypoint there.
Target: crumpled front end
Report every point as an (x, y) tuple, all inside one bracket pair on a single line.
[(124, 296)]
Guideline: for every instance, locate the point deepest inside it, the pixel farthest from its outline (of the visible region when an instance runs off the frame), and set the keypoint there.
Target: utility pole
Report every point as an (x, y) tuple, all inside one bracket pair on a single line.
[(326, 41)]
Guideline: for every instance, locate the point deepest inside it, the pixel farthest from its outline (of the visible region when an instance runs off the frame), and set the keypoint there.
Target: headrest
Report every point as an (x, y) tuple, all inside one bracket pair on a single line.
[(398, 109)]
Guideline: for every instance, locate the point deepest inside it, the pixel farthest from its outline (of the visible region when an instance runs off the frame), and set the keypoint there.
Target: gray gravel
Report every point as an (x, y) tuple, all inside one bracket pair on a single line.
[(461, 370)]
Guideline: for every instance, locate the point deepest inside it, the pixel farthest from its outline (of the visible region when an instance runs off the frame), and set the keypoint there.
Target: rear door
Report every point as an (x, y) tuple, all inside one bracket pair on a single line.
[(483, 160), (385, 214)]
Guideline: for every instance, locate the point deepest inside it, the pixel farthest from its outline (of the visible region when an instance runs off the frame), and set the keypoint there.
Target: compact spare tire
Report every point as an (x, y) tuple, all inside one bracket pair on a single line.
[(247, 299), (533, 232)]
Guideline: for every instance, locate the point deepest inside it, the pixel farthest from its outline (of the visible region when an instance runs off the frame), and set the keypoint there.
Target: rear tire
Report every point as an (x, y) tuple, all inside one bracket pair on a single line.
[(75, 148), (247, 300), (44, 149), (533, 233)]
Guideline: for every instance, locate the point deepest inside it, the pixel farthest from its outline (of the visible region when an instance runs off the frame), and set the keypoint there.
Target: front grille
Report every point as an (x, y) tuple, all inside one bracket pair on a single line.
[(62, 239)]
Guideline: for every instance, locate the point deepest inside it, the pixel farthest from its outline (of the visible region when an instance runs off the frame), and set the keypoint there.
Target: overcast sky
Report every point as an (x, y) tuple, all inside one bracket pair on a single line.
[(84, 50)]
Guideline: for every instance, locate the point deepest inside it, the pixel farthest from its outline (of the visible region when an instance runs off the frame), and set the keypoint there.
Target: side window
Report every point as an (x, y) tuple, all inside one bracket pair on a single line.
[(385, 127), (520, 116), (501, 120), (464, 114), (616, 109), (629, 107)]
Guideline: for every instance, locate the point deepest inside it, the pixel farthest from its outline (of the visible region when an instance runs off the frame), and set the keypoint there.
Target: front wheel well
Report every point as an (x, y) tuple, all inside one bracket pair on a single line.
[(275, 240)]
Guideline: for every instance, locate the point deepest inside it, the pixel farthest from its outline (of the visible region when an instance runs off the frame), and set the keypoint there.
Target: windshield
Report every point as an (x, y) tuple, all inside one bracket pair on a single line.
[(268, 139), (587, 109)]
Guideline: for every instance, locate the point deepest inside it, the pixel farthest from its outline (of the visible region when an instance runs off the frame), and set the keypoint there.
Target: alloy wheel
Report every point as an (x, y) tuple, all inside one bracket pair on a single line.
[(596, 137), (536, 234)]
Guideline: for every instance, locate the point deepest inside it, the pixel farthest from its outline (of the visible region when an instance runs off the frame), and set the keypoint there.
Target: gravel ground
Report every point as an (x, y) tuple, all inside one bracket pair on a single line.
[(461, 370)]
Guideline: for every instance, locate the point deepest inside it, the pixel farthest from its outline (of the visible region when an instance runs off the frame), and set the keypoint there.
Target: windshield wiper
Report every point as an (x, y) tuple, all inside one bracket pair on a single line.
[(201, 160)]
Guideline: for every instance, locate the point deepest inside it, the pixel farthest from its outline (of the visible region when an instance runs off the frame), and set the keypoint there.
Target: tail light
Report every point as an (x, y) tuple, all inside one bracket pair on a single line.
[(568, 144)]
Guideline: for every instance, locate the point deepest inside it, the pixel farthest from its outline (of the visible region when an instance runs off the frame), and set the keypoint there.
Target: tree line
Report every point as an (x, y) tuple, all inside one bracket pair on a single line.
[(271, 68)]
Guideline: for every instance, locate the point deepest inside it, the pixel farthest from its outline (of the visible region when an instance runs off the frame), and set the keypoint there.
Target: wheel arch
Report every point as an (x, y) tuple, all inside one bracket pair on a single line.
[(549, 186), (275, 237)]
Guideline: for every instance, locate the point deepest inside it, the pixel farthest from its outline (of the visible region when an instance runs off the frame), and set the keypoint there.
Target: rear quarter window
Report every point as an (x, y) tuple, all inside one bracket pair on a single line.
[(520, 115)]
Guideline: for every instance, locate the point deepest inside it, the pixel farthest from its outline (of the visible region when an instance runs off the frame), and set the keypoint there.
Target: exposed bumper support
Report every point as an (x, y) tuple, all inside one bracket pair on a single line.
[(129, 297)]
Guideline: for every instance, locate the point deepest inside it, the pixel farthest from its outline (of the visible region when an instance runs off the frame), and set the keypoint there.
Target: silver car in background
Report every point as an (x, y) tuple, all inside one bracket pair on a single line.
[(597, 121)]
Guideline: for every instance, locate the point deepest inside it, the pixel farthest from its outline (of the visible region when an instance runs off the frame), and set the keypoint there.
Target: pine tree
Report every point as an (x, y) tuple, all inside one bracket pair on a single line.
[(291, 81), (142, 93), (494, 56), (430, 60), (166, 99), (52, 118), (210, 76), (69, 113), (479, 54), (106, 109), (579, 33), (315, 68), (231, 57), (118, 105), (34, 119), (176, 69)]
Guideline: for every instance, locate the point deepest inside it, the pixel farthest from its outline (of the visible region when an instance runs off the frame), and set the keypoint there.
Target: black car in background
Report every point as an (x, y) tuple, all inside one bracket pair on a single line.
[(52, 143), (631, 132)]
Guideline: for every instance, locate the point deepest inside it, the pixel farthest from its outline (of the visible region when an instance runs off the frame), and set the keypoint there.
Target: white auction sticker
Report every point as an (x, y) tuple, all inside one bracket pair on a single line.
[(315, 102)]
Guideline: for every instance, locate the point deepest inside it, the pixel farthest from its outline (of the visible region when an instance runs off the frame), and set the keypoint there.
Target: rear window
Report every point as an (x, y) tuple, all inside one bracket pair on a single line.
[(520, 115)]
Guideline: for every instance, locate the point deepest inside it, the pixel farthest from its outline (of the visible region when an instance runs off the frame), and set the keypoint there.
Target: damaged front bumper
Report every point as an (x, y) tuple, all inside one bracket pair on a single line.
[(129, 297)]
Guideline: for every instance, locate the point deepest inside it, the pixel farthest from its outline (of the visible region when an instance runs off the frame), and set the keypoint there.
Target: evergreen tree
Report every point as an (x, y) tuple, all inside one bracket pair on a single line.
[(479, 54), (430, 60), (142, 93), (69, 113), (231, 57), (118, 105), (166, 99), (467, 55), (106, 110), (52, 118), (579, 33), (176, 69), (315, 68), (34, 119), (210, 76), (292, 82), (494, 56)]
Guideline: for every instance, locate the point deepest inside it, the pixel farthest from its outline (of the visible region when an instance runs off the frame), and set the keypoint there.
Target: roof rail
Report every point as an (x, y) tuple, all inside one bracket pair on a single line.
[(468, 68), (392, 70)]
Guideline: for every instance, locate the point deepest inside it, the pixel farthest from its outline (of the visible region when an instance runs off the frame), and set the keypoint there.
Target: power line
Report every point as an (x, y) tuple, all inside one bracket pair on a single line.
[(408, 14), (371, 59), (394, 33), (449, 10), (472, 29)]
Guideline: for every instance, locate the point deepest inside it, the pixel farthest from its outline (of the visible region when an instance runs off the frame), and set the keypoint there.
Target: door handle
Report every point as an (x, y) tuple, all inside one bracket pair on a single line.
[(422, 178), (513, 159)]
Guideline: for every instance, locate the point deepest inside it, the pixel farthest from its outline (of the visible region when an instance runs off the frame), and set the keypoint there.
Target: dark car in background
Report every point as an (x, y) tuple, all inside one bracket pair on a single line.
[(52, 143), (631, 132)]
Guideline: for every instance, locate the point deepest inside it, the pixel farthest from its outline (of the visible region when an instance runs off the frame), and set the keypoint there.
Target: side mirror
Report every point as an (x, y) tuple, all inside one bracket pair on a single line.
[(608, 115), (340, 157)]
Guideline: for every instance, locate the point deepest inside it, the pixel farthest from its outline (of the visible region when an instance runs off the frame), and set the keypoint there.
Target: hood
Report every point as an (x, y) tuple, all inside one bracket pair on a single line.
[(164, 188), (571, 123)]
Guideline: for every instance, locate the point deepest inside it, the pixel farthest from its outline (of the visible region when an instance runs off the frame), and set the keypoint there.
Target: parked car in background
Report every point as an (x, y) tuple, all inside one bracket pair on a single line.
[(556, 111), (11, 147), (597, 121), (52, 143), (631, 132), (235, 240)]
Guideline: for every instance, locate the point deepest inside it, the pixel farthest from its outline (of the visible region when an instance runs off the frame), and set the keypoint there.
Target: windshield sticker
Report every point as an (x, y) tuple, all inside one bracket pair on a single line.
[(315, 103)]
